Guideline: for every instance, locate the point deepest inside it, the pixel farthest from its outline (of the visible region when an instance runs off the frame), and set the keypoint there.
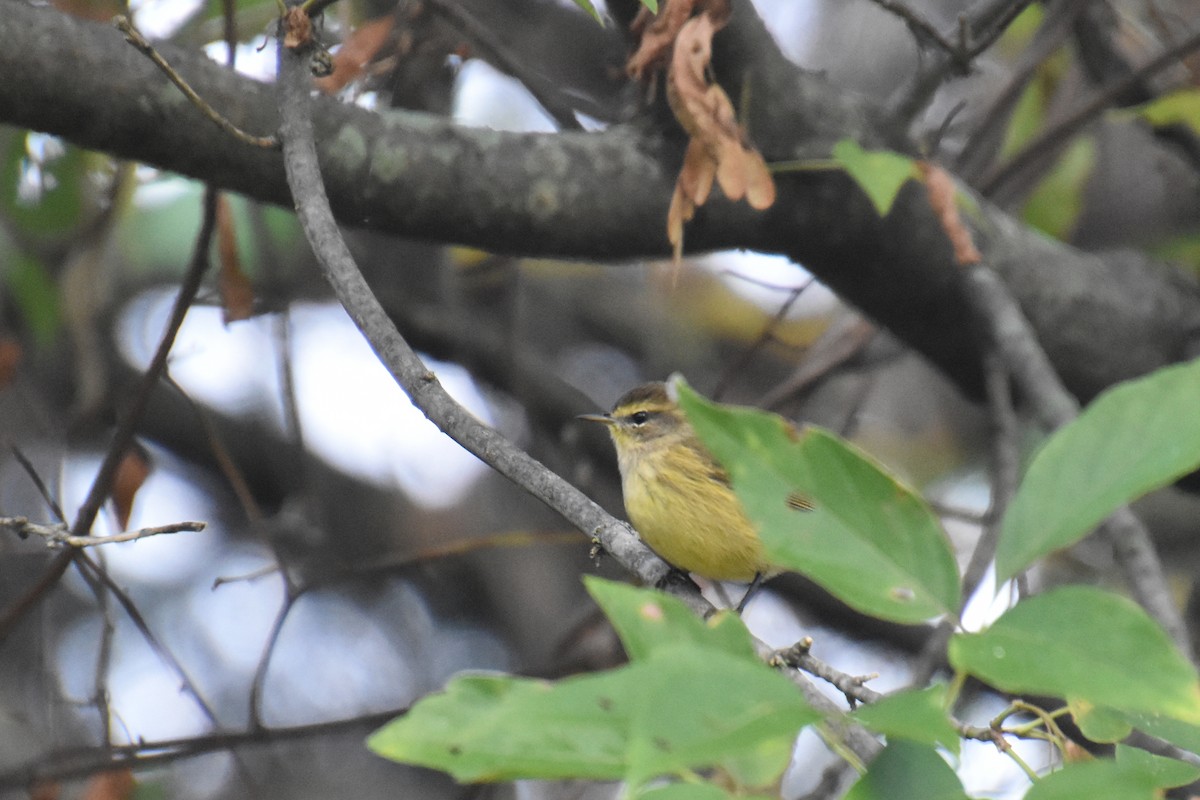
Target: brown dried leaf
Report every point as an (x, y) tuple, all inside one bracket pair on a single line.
[(131, 474), (707, 114), (939, 187), (115, 785), (692, 188), (357, 51), (237, 293), (657, 35), (297, 28), (10, 359)]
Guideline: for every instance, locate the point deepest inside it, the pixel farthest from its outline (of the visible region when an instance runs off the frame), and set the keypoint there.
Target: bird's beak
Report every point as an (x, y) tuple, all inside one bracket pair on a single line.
[(605, 418)]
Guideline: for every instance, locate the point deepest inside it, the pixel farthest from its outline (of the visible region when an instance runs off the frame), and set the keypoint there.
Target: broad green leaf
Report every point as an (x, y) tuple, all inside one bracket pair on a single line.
[(694, 791), (1183, 249), (880, 173), (1084, 643), (870, 540), (682, 708), (1055, 204), (35, 293), (1098, 723), (1181, 107), (918, 715), (684, 791), (1028, 116), (647, 620), (1101, 779), (1135, 437), (56, 185), (908, 771), (1165, 772)]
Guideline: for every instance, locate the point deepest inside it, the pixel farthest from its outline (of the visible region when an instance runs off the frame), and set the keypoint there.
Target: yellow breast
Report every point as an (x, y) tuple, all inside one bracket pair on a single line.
[(697, 525)]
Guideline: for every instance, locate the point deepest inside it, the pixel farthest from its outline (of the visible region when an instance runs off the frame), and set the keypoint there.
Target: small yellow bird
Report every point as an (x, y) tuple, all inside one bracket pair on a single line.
[(676, 494)]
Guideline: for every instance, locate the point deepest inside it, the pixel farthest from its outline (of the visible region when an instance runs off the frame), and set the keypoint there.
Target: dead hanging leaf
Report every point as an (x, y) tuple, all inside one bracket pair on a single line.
[(10, 359), (357, 51), (115, 785), (706, 113), (692, 188), (656, 36), (297, 28), (131, 474), (237, 293), (939, 186)]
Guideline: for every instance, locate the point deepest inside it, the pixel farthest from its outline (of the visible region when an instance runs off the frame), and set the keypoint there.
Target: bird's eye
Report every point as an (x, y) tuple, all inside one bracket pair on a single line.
[(639, 417)]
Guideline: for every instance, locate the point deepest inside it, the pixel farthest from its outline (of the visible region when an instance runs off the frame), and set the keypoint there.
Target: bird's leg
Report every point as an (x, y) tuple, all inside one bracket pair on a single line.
[(754, 586)]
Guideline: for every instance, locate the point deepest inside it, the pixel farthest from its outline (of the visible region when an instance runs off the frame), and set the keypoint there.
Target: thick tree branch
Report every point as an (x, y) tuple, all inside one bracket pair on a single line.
[(1102, 319)]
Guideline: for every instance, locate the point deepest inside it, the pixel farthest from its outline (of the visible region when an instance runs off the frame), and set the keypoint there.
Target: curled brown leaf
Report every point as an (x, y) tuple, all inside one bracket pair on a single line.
[(718, 144), (657, 34), (942, 193)]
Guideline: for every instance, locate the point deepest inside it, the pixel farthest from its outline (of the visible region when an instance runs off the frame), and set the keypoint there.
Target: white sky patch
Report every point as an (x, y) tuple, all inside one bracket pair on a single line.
[(487, 98), (353, 414)]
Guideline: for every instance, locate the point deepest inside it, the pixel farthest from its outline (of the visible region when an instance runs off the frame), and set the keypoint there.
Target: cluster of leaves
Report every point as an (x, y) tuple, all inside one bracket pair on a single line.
[(695, 695)]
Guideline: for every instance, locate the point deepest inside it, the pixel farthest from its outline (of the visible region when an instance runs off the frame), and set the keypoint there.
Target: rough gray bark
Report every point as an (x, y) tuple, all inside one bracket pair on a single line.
[(604, 196)]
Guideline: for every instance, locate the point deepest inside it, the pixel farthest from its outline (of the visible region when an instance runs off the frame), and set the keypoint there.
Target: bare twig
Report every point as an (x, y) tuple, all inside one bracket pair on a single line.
[(39, 484), (427, 393), (799, 656), (135, 38), (123, 435), (82, 762), (977, 30), (844, 339), (59, 535), (983, 142), (767, 335), (1051, 138), (87, 565), (924, 30), (486, 41)]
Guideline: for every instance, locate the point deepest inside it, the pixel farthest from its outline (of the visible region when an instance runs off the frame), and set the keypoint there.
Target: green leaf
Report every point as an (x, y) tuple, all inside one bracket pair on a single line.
[(1165, 772), (684, 791), (1055, 204), (908, 771), (1081, 642), (1181, 107), (870, 540), (56, 208), (1098, 723), (1135, 437), (880, 173), (681, 708), (1096, 780), (647, 620), (35, 294), (587, 6), (917, 715)]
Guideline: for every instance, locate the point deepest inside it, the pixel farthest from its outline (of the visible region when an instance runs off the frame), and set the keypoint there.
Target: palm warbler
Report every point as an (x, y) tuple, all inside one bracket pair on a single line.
[(676, 494)]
